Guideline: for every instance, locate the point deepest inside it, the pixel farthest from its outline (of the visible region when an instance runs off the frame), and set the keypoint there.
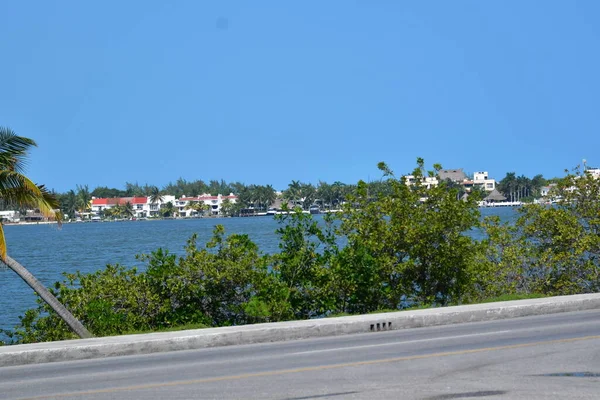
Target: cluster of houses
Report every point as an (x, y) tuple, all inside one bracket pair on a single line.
[(144, 207), (480, 179)]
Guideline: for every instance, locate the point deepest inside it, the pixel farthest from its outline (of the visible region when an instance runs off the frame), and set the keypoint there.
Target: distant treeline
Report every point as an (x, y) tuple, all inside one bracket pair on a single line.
[(260, 197)]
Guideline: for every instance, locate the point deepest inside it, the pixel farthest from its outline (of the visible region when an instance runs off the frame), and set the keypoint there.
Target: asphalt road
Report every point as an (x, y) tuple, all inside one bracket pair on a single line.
[(544, 357)]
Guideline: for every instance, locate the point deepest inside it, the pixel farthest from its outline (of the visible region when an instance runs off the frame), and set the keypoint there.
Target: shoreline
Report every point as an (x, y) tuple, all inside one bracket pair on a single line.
[(29, 223)]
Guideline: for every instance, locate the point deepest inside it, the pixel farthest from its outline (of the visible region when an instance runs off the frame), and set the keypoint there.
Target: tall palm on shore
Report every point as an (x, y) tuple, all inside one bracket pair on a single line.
[(155, 198), (293, 193), (127, 210), (168, 209), (69, 206), (84, 199), (18, 190)]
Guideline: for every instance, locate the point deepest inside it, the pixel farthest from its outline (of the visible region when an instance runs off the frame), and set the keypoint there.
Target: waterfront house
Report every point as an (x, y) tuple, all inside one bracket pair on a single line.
[(10, 216), (427, 181), (482, 180), (138, 204), (212, 203)]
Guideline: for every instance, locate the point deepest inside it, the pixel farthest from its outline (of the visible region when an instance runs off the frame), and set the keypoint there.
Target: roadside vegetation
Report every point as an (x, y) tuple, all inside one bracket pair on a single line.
[(392, 246)]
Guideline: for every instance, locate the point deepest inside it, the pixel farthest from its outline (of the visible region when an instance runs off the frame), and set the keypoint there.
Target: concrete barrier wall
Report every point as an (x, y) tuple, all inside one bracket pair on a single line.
[(281, 331)]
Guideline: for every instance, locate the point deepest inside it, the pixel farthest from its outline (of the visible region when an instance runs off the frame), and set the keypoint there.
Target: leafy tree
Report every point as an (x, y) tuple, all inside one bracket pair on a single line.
[(537, 182), (182, 187), (106, 192), (303, 266), (133, 190), (566, 237), (219, 187), (411, 245)]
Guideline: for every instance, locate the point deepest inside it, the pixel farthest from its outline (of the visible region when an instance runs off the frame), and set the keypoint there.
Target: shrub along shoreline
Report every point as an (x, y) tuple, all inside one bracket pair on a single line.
[(405, 247)]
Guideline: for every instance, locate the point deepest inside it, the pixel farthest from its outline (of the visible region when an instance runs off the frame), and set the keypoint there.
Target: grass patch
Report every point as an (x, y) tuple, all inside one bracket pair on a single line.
[(169, 329), (511, 297), (504, 297)]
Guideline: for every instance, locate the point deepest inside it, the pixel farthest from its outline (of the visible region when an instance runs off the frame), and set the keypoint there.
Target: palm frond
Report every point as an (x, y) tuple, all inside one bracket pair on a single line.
[(18, 190), (13, 150), (10, 180)]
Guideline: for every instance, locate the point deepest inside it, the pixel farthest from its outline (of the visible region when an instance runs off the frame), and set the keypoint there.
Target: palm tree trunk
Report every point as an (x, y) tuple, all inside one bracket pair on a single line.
[(49, 298)]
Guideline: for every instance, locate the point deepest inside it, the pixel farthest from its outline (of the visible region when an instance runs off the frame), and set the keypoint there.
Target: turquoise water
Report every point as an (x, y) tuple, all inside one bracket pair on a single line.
[(47, 251)]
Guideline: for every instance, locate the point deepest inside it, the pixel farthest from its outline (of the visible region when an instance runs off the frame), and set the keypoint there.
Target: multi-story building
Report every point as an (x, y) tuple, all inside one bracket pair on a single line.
[(138, 204), (594, 172), (427, 181), (482, 180), (143, 207), (212, 204)]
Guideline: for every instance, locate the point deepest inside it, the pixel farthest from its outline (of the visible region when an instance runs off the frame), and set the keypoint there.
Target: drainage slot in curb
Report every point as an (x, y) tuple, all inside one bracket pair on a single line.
[(380, 326)]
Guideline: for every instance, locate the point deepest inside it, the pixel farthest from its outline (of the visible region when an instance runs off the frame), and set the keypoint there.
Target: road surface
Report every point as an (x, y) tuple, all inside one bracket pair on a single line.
[(543, 357)]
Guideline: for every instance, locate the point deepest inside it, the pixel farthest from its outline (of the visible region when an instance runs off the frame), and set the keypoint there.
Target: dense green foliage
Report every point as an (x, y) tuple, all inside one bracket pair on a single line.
[(392, 246), (521, 188), (554, 250)]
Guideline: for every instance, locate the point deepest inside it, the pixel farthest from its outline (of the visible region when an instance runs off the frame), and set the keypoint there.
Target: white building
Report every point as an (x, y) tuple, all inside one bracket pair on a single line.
[(482, 180), (10, 216), (594, 172), (212, 203), (427, 181), (141, 205)]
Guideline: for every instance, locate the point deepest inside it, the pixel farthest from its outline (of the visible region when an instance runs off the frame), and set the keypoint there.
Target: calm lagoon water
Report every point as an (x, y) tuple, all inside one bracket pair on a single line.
[(47, 251)]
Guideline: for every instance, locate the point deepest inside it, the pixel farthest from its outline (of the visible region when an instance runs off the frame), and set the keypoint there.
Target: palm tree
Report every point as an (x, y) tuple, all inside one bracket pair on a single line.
[(293, 192), (127, 210), (155, 196), (155, 199), (69, 204), (269, 196), (168, 209), (84, 198), (18, 190), (111, 212), (308, 194), (196, 206)]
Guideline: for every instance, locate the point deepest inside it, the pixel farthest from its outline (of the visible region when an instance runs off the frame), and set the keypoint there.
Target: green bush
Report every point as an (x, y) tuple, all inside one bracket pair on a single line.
[(394, 247)]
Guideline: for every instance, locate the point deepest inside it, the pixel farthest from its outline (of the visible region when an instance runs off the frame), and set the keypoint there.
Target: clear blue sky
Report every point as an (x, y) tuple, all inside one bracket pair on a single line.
[(266, 92)]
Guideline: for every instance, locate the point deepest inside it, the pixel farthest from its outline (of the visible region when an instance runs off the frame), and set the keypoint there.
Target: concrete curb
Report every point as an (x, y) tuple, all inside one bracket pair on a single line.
[(281, 331)]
